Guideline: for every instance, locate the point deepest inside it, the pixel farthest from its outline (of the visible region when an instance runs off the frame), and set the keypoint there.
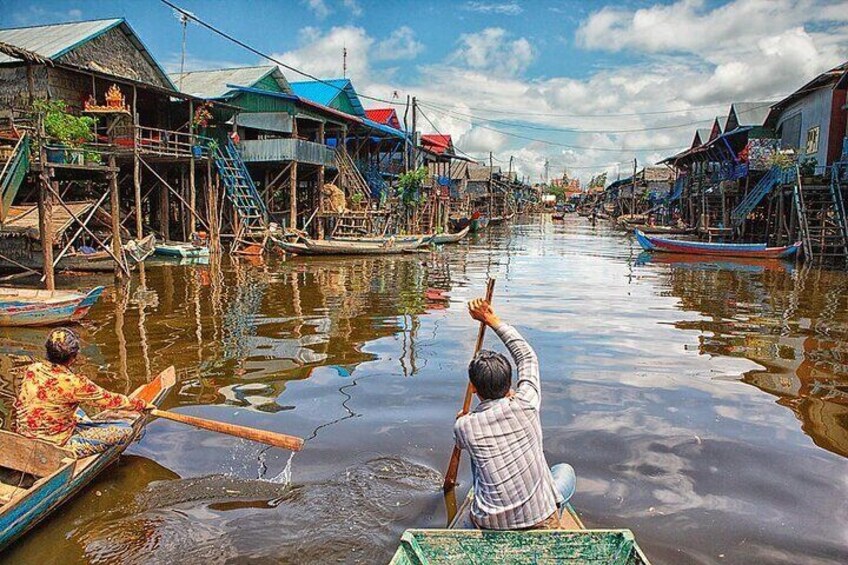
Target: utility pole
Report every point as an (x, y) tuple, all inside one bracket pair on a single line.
[(183, 20), (491, 168), (633, 190), (406, 149), (415, 132)]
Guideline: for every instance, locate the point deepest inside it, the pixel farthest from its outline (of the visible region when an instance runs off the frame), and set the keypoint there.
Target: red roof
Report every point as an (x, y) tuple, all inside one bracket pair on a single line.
[(385, 116), (436, 143)]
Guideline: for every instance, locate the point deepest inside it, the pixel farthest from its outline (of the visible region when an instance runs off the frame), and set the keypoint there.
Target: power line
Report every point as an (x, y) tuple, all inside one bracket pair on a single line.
[(565, 129), (608, 115), (255, 51)]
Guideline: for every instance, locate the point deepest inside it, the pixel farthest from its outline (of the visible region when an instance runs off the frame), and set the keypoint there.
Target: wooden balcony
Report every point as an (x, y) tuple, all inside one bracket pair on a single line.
[(276, 150)]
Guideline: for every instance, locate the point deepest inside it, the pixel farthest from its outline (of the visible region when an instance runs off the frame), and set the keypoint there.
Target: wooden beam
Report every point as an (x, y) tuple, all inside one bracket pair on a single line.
[(115, 198), (139, 228), (176, 193), (45, 226)]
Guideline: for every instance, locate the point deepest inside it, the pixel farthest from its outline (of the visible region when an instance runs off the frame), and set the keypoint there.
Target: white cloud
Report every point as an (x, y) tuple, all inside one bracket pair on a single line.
[(353, 7), (493, 50), (320, 53), (688, 78), (318, 7), (35, 15), (401, 44), (502, 8)]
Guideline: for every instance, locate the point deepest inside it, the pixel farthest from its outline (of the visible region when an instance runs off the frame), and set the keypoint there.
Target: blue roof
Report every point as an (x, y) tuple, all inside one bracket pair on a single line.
[(326, 91), (384, 128)]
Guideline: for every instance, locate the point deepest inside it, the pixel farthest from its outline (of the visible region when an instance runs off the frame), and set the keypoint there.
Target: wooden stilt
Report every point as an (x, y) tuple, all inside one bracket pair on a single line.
[(192, 188), (139, 227), (164, 211), (321, 182), (115, 197), (212, 211), (293, 196), (45, 226)]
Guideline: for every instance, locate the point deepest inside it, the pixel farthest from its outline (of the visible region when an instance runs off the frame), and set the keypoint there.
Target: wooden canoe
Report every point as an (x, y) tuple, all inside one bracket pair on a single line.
[(137, 251), (749, 250), (32, 307), (331, 247), (462, 545), (495, 220), (184, 250), (38, 477), (445, 238), (425, 239)]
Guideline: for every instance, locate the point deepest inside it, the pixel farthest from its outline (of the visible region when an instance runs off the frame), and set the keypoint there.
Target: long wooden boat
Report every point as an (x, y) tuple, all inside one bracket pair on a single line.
[(424, 239), (664, 230), (33, 307), (137, 251), (751, 250), (308, 246), (495, 220), (573, 544), (37, 477), (181, 249), (445, 238)]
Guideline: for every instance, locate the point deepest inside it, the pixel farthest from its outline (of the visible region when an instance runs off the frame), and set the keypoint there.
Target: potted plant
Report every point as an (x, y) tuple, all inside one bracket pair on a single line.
[(65, 129), (93, 158)]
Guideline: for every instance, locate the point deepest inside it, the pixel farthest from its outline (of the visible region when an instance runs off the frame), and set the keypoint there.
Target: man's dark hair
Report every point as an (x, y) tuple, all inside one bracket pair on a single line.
[(491, 374), (62, 346)]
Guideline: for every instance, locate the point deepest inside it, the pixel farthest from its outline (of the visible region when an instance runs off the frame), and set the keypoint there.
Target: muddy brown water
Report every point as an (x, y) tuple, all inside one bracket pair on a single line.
[(704, 404)]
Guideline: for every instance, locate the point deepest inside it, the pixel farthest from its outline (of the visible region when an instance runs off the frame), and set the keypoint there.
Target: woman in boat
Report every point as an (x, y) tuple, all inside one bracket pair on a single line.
[(48, 400)]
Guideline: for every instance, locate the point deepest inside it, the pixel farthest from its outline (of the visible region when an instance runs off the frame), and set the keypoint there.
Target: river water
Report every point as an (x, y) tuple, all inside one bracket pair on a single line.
[(704, 405)]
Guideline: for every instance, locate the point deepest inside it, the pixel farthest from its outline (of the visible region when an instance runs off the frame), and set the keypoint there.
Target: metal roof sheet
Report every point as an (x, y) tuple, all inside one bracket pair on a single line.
[(326, 91), (217, 83), (387, 116), (54, 40), (749, 113)]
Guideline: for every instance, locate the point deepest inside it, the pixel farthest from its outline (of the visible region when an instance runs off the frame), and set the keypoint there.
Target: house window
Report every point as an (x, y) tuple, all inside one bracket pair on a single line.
[(790, 133), (813, 140)]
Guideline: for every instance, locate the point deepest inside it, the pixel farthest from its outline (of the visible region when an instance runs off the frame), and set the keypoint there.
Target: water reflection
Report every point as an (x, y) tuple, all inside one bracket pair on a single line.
[(703, 403)]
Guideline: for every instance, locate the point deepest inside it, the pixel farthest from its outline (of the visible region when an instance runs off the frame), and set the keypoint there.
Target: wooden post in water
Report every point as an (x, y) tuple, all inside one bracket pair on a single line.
[(114, 196), (139, 228), (45, 226), (192, 195), (293, 181), (321, 182)]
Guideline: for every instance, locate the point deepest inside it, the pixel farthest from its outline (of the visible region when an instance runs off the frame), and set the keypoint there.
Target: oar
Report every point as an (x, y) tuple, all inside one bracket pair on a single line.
[(269, 438), (453, 466)]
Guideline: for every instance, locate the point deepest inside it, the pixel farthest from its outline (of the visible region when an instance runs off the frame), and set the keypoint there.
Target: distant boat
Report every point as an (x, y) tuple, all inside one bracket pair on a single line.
[(751, 250), (495, 220), (307, 246), (33, 307), (181, 249), (445, 238)]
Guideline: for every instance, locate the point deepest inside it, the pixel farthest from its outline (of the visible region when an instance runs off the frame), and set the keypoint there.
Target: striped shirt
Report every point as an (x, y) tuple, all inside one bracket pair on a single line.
[(513, 486)]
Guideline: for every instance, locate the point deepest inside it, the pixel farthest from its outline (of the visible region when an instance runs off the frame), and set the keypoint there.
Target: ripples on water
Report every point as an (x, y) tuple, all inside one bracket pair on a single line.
[(704, 404)]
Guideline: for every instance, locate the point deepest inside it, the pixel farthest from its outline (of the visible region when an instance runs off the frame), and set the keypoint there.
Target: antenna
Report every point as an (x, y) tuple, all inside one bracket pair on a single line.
[(344, 61), (183, 18)]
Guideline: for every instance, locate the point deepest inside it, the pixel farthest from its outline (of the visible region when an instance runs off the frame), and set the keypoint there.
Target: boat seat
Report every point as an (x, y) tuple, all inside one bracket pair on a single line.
[(7, 492), (33, 456)]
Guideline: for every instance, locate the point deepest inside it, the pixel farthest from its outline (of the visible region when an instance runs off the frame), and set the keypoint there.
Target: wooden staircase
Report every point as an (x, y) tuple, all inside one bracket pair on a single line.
[(13, 169), (350, 179), (250, 209), (822, 220)]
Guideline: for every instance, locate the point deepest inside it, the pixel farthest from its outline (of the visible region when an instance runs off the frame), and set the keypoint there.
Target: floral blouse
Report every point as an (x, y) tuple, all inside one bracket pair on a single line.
[(49, 396)]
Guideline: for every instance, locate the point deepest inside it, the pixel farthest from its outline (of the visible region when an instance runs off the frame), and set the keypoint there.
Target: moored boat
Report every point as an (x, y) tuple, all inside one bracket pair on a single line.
[(37, 477), (181, 249), (462, 544), (93, 261), (424, 239), (751, 250), (34, 307), (495, 220), (306, 246), (445, 238)]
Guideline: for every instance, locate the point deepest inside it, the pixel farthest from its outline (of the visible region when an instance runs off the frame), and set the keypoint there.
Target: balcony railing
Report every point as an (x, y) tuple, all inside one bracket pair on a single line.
[(265, 150)]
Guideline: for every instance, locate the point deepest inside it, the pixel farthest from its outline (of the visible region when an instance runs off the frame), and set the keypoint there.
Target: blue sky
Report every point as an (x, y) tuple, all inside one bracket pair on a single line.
[(555, 76)]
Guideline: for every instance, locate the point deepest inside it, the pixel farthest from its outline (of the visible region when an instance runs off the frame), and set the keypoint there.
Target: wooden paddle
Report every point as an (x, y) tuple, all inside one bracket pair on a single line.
[(284, 441), (453, 466)]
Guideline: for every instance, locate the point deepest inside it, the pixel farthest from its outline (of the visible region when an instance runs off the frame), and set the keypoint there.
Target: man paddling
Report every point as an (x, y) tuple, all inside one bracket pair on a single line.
[(47, 404), (513, 487)]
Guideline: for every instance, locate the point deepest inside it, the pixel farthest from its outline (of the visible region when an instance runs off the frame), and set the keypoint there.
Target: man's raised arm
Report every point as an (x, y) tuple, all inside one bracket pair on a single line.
[(529, 385)]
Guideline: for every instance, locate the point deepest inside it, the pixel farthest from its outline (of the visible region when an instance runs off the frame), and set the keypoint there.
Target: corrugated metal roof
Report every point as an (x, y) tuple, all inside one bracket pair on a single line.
[(280, 122), (750, 113), (325, 92), (437, 143), (54, 40), (387, 116), (212, 84)]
